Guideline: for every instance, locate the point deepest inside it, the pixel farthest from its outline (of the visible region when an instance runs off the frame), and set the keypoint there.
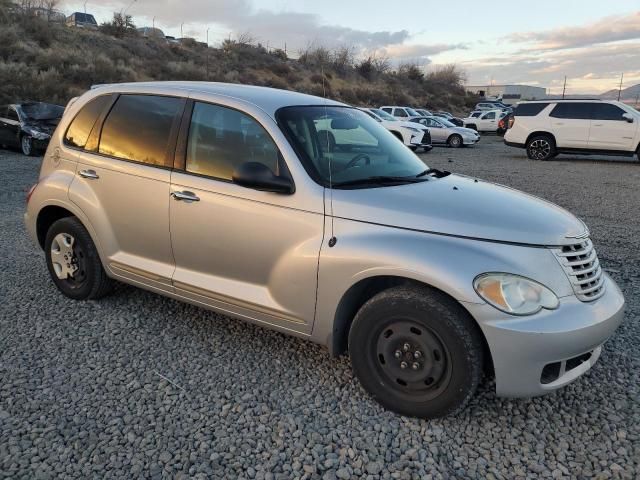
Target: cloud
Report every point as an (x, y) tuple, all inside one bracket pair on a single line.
[(406, 51), (295, 29), (589, 68), (606, 30)]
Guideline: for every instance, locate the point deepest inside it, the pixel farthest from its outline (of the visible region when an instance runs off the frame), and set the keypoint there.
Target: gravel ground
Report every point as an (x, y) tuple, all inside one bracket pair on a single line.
[(138, 385)]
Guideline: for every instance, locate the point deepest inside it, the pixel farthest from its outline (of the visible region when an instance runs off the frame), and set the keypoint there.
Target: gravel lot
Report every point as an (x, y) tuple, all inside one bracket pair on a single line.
[(142, 386)]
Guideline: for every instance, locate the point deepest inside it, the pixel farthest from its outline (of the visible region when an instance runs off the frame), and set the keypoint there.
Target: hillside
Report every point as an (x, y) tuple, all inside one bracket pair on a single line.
[(629, 93), (50, 62)]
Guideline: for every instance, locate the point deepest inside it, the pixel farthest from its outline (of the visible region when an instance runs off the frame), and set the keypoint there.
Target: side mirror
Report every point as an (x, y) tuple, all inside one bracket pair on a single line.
[(260, 177), (628, 117)]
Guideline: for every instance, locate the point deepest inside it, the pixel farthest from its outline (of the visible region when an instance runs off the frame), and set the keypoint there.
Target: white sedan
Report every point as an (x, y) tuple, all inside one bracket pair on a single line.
[(413, 135)]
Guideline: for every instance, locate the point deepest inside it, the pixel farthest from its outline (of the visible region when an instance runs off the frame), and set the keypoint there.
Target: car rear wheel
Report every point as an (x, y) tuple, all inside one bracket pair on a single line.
[(455, 141), (416, 351), (26, 145), (73, 261), (541, 147)]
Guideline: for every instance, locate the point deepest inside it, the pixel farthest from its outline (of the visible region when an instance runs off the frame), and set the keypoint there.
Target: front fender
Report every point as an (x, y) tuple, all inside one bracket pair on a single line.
[(450, 264)]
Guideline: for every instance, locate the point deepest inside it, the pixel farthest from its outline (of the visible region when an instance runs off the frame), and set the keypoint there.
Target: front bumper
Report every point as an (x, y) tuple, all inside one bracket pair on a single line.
[(470, 140), (521, 347)]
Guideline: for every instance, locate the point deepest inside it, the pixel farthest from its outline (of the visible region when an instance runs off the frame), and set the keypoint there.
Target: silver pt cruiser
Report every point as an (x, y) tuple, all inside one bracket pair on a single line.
[(234, 198)]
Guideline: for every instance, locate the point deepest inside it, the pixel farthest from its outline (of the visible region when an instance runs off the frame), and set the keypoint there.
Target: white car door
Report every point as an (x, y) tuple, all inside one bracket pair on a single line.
[(571, 123), (488, 122), (610, 130)]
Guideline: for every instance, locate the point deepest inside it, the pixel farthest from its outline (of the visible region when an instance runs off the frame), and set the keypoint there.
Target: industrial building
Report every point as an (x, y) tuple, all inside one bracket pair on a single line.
[(508, 93)]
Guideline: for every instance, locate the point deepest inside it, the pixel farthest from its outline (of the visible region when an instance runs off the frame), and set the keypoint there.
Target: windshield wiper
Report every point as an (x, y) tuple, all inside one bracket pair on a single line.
[(435, 172), (378, 180)]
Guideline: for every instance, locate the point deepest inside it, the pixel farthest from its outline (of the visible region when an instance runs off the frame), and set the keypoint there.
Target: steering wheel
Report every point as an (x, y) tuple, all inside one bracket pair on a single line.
[(356, 159)]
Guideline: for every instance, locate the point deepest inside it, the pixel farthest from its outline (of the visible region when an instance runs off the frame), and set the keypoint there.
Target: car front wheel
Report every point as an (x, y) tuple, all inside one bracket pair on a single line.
[(541, 147), (455, 141), (73, 261), (416, 351), (26, 145)]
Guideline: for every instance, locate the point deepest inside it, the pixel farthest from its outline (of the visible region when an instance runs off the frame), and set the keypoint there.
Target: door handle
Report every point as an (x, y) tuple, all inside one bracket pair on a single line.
[(90, 174), (597, 124), (186, 196)]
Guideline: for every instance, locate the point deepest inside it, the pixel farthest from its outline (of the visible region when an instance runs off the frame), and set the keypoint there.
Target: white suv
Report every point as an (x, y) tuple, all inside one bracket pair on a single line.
[(547, 128)]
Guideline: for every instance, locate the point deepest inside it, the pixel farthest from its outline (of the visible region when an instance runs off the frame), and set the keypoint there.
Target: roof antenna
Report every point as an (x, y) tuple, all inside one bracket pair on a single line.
[(333, 240)]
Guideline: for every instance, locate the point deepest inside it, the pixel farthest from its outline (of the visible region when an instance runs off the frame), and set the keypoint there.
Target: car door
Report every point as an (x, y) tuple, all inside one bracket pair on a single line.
[(610, 130), (10, 127), (571, 124), (488, 122), (122, 186), (245, 252), (439, 134)]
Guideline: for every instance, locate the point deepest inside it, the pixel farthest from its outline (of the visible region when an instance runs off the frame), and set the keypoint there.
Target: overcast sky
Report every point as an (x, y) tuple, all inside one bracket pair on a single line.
[(537, 43)]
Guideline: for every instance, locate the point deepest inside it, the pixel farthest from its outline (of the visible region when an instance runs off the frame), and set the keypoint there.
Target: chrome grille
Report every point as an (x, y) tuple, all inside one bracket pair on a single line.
[(581, 264)]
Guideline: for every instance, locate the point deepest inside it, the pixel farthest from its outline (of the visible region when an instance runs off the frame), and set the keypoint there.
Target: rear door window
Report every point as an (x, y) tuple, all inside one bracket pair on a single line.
[(221, 139), (607, 111), (529, 109), (81, 126), (400, 112), (572, 110), (138, 128)]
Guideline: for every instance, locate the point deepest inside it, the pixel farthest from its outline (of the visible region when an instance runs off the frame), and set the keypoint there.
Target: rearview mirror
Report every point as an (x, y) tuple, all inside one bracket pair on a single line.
[(628, 117), (344, 123), (260, 177)]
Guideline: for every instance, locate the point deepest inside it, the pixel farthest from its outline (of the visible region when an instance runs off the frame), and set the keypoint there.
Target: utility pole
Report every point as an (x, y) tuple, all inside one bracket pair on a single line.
[(564, 89), (85, 8), (154, 22), (207, 54), (181, 35), (620, 89)]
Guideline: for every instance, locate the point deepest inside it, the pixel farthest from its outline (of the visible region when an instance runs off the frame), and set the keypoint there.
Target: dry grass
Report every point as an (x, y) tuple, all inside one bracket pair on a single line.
[(50, 62)]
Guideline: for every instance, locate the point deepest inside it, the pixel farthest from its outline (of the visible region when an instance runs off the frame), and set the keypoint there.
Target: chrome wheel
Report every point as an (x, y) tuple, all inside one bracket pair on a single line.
[(413, 359), (540, 149), (68, 259), (26, 144), (455, 141)]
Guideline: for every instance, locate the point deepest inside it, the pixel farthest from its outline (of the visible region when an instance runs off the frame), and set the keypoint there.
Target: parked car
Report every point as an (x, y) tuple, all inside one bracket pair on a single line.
[(547, 128), (503, 124), (28, 126), (412, 135), (218, 195), (444, 132), (82, 20), (492, 106), (447, 116), (423, 112), (402, 113), (485, 121)]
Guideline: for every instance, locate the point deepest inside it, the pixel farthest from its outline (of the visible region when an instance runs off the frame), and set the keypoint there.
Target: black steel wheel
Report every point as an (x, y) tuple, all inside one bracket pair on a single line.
[(416, 351)]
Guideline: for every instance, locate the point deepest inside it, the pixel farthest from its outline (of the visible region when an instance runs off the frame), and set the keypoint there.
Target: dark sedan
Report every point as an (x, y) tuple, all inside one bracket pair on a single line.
[(28, 126)]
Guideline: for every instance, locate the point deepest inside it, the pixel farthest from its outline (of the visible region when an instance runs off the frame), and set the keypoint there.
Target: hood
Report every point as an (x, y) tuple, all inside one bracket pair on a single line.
[(462, 206), (464, 131)]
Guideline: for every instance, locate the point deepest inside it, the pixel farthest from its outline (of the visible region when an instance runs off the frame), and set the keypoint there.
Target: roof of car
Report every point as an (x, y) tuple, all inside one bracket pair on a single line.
[(266, 98)]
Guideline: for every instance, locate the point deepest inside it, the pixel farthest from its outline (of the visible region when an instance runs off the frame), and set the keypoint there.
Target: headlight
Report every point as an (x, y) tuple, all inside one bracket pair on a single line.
[(37, 134), (514, 294)]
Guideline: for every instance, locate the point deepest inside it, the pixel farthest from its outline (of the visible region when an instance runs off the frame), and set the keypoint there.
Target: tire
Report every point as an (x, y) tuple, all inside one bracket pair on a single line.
[(444, 344), (26, 146), (541, 147), (472, 126), (455, 141), (68, 246)]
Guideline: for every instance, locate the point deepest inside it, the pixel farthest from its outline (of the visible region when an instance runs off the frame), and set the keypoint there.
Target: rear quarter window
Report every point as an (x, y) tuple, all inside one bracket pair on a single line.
[(81, 126), (529, 109)]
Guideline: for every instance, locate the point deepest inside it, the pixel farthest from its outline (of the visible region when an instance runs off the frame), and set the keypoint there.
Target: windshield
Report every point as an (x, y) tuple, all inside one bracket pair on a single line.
[(384, 115), (342, 144), (413, 113), (42, 111)]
